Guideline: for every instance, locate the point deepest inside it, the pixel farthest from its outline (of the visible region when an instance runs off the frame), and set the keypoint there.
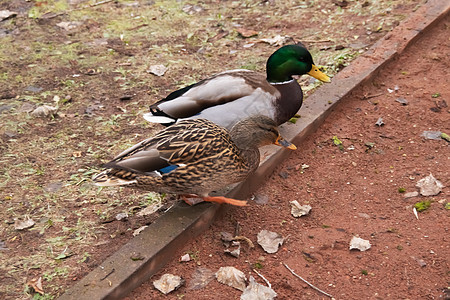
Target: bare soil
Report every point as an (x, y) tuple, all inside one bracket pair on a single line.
[(353, 191)]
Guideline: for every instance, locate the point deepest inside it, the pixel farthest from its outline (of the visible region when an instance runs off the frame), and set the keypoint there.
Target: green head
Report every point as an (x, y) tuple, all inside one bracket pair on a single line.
[(292, 60)]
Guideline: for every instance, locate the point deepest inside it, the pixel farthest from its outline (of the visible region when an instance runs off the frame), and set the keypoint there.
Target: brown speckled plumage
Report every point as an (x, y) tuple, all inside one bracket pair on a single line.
[(204, 157)]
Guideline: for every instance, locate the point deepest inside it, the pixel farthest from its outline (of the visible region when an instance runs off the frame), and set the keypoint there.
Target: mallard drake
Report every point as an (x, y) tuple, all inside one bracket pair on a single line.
[(194, 157), (230, 96)]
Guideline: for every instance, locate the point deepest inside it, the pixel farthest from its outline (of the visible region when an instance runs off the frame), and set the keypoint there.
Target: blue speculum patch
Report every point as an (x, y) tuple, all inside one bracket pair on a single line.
[(168, 169)]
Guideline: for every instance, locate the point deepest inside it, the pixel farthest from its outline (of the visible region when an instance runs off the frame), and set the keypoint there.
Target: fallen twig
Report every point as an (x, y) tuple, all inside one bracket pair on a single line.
[(365, 97), (260, 275), (317, 289), (244, 238)]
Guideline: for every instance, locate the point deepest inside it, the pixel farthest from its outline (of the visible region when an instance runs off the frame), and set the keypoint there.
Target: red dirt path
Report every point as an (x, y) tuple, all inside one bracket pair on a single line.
[(354, 191)]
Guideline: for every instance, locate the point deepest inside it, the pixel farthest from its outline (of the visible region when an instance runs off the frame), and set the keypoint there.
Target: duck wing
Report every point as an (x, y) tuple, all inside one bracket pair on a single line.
[(177, 146), (219, 90)]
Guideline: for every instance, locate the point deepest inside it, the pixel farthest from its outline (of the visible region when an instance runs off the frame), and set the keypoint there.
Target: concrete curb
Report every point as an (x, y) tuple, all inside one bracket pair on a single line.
[(120, 273)]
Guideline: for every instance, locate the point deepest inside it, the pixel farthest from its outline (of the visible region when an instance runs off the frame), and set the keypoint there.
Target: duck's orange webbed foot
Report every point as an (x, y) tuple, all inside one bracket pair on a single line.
[(221, 199)]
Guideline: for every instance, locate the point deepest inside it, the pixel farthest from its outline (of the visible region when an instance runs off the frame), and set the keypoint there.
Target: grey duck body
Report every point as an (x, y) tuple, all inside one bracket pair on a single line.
[(231, 96)]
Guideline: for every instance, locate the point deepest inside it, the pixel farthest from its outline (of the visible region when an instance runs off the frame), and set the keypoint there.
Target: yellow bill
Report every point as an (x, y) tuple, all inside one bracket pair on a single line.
[(316, 73), (283, 143)]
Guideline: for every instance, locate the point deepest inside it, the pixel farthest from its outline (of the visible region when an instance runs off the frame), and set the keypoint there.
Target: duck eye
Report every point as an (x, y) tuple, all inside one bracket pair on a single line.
[(269, 129)]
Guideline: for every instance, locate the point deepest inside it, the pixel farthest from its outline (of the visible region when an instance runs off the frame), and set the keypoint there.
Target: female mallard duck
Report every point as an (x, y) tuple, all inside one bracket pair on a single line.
[(194, 157), (231, 96)]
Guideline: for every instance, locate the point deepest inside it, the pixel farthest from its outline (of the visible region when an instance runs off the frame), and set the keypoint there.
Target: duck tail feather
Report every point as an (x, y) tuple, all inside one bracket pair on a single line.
[(159, 119), (106, 179)]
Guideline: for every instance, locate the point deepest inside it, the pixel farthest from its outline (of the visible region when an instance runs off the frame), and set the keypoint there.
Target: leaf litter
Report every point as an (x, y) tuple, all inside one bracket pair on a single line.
[(23, 224), (232, 277), (44, 111), (158, 70), (298, 210), (200, 278), (270, 241), (429, 186), (168, 283), (36, 285), (256, 291)]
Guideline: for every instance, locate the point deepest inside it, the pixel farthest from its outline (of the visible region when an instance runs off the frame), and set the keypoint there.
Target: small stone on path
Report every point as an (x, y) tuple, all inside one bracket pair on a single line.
[(158, 70), (359, 243), (6, 14)]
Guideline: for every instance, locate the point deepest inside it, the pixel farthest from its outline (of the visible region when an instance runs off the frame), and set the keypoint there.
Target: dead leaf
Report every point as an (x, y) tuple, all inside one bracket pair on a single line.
[(226, 237), (429, 186), (236, 252), (298, 210), (270, 241), (256, 291), (20, 225), (201, 278), (246, 33), (44, 111), (277, 40), (232, 277), (76, 154), (36, 284), (68, 25), (168, 283), (27, 107)]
